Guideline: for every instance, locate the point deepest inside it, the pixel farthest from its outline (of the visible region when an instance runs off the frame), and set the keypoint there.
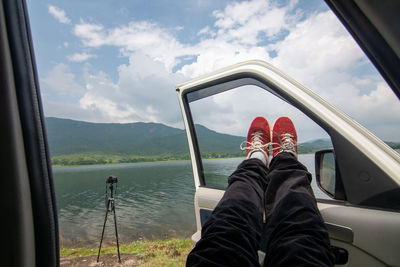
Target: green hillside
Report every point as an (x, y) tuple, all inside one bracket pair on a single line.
[(314, 145), (393, 145), (70, 137), (76, 142)]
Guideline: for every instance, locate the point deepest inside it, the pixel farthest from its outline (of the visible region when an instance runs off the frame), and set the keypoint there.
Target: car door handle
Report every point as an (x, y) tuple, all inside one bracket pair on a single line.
[(339, 232)]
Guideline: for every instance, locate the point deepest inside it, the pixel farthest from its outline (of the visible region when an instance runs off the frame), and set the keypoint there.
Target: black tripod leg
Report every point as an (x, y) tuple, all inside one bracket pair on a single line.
[(116, 231), (102, 233)]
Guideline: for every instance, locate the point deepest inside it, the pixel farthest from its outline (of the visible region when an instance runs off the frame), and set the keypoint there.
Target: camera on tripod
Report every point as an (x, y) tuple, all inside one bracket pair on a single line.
[(110, 207), (112, 180)]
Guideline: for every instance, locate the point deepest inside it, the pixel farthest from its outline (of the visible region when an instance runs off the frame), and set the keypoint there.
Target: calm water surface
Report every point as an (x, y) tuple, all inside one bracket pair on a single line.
[(153, 200)]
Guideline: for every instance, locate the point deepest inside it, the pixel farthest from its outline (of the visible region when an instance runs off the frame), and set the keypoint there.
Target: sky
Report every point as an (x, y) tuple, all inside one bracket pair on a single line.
[(119, 61)]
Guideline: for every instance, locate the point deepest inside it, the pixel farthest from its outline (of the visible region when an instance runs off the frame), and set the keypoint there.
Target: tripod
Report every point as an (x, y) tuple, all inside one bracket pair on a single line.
[(110, 208)]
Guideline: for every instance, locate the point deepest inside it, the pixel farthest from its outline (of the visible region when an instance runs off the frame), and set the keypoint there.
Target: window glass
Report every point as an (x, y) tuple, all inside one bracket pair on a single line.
[(219, 135), (117, 62), (328, 173)]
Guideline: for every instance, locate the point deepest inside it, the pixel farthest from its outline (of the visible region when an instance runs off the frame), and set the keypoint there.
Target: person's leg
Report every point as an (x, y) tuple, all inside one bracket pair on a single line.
[(231, 235), (295, 233)]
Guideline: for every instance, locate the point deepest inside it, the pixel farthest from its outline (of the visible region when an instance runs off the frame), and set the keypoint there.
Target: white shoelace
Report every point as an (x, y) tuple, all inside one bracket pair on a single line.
[(287, 144), (255, 145)]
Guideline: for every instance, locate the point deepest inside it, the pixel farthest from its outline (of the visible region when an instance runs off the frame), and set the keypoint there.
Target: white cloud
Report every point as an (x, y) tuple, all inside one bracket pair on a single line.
[(144, 92), (206, 31), (60, 81), (61, 93), (144, 37), (110, 110), (233, 37), (236, 36), (386, 109), (80, 57), (245, 21), (319, 53), (233, 111), (216, 54), (59, 14), (315, 50)]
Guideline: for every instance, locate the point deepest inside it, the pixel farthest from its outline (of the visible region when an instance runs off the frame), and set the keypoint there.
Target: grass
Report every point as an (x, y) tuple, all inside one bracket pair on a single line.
[(171, 252)]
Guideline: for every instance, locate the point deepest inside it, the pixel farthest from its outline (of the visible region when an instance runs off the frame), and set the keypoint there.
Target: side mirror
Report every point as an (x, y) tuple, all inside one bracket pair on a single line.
[(327, 174)]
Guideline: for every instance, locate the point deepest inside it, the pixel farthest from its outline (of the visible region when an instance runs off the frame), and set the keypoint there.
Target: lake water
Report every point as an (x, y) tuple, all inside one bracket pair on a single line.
[(153, 200)]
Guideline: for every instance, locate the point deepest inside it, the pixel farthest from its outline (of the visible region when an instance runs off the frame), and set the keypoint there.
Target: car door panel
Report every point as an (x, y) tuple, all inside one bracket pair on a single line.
[(362, 232), (376, 232), (368, 234), (356, 256)]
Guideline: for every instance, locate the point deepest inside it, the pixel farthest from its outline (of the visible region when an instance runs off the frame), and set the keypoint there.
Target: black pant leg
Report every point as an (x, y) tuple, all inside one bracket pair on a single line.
[(231, 235), (295, 233)]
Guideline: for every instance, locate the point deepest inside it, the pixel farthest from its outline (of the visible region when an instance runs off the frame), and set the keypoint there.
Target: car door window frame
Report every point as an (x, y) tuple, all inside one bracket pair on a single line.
[(348, 137)]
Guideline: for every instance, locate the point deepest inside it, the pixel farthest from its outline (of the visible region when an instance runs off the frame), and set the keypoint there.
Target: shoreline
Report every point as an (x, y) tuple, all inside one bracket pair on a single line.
[(168, 252), (119, 163), (149, 161)]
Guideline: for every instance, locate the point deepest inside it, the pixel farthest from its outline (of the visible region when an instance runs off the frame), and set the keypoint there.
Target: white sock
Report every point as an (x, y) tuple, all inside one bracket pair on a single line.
[(259, 155)]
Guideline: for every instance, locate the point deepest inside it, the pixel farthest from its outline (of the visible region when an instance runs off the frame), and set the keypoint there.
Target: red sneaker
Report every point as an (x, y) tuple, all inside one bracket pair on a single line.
[(284, 136), (258, 137)]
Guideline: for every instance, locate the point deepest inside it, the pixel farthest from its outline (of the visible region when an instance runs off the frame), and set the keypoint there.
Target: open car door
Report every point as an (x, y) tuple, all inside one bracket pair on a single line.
[(361, 174)]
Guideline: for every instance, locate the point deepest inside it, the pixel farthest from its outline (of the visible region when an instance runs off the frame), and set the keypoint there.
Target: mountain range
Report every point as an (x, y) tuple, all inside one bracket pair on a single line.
[(67, 136), (74, 142)]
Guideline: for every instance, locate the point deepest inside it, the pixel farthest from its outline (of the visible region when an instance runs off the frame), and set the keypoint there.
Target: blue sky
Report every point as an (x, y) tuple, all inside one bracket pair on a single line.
[(118, 61)]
